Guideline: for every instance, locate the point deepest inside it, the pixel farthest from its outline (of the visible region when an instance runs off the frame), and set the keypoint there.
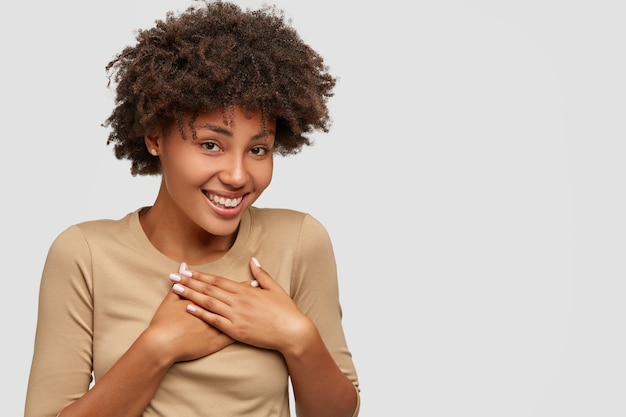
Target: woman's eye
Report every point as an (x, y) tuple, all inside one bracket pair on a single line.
[(210, 146), (259, 150)]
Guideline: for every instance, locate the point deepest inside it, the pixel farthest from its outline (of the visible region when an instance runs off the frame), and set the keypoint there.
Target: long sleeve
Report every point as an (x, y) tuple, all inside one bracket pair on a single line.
[(62, 358), (315, 290)]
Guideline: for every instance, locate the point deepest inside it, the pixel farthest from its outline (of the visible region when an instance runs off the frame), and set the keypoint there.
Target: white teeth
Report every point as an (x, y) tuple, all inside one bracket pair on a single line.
[(226, 202)]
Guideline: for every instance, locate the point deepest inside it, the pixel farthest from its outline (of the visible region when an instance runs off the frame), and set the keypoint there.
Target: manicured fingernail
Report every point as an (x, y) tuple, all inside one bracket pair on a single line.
[(255, 283), (182, 270), (256, 262), (191, 309), (178, 288), (175, 278)]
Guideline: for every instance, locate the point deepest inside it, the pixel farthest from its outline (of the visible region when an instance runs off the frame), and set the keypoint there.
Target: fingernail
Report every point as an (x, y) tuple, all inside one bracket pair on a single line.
[(182, 270), (178, 288), (256, 262), (191, 309), (175, 278), (255, 283)]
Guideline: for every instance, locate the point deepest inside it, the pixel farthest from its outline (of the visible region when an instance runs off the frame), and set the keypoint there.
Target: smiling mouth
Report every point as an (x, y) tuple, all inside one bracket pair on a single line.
[(224, 202)]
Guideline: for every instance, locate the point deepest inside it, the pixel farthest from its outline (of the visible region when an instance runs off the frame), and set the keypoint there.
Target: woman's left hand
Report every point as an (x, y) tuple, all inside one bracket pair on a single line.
[(260, 314)]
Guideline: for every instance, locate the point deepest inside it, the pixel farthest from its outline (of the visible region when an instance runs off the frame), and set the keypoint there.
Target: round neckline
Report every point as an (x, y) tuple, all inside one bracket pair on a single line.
[(233, 255)]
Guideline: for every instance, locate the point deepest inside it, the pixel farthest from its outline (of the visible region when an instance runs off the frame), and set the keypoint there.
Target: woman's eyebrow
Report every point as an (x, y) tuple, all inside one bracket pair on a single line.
[(263, 134), (223, 131), (216, 129)]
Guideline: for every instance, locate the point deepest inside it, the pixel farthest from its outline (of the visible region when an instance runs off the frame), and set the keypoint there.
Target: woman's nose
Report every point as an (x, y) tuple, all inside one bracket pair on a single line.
[(234, 172)]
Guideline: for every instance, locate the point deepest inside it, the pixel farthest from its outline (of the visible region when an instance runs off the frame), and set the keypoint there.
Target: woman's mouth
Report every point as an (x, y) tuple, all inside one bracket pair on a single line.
[(224, 201)]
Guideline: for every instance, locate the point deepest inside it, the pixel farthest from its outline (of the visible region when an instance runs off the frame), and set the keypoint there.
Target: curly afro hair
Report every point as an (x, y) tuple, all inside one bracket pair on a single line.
[(215, 55)]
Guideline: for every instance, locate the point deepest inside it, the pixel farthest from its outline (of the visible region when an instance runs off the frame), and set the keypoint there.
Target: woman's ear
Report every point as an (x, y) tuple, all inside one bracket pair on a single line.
[(152, 143)]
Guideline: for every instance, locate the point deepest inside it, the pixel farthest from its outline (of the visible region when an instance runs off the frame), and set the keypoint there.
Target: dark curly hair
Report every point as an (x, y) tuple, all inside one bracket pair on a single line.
[(215, 55)]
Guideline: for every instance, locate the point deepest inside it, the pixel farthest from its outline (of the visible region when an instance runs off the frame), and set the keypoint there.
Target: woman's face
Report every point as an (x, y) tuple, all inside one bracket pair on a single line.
[(213, 178)]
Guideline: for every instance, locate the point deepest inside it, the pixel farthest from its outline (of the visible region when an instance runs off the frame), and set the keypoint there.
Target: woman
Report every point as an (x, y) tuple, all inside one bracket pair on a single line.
[(204, 99)]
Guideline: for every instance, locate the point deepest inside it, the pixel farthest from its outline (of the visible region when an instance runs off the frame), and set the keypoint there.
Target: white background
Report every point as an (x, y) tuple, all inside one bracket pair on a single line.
[(472, 183)]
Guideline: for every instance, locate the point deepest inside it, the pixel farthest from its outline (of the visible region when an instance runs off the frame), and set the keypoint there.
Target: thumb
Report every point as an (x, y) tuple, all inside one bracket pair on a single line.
[(261, 277)]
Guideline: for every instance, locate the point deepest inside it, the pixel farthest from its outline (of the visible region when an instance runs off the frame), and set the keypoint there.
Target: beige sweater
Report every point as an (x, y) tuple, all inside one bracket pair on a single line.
[(103, 280)]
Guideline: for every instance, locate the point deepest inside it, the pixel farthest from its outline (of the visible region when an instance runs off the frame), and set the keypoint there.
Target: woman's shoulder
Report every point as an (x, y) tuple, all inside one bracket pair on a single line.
[(280, 216), (283, 220), (273, 214), (103, 228)]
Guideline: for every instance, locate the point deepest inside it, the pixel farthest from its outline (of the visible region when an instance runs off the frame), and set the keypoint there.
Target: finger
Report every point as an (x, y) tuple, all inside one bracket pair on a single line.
[(202, 293), (199, 280), (263, 279), (209, 317), (182, 270), (207, 302), (175, 278), (178, 278), (255, 283)]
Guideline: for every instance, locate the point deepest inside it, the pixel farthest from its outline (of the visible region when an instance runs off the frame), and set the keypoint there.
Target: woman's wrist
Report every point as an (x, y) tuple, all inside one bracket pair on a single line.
[(155, 348), (304, 335)]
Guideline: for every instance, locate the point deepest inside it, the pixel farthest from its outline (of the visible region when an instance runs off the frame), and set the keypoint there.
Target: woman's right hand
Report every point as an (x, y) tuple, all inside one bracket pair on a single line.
[(182, 336)]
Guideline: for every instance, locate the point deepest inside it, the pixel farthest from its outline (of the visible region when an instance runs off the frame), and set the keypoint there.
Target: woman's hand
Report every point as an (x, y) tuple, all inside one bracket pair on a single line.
[(257, 312), (181, 336)]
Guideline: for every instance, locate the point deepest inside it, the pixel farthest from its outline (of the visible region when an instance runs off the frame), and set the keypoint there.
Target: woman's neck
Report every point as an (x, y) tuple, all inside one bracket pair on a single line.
[(183, 241)]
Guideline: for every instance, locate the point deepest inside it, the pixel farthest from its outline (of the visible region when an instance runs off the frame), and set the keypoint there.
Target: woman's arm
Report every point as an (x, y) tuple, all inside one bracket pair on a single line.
[(127, 388), (265, 316), (320, 388), (62, 365)]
